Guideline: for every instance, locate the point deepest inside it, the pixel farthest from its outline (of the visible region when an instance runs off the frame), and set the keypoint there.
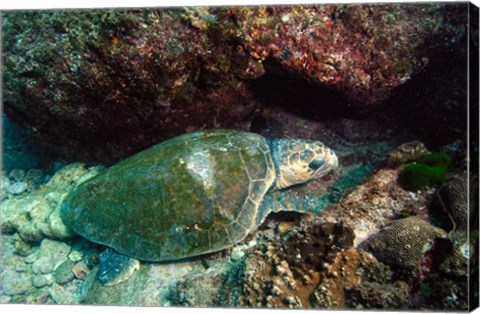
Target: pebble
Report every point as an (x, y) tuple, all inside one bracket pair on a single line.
[(15, 283), (40, 281), (43, 265), (17, 174), (17, 188), (81, 270), (35, 175), (62, 294), (31, 258), (63, 273), (21, 247), (238, 252)]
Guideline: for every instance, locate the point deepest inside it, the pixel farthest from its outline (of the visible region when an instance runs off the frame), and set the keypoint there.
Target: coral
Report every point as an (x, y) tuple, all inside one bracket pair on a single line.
[(405, 153), (373, 295), (402, 242), (356, 280), (454, 199), (284, 271)]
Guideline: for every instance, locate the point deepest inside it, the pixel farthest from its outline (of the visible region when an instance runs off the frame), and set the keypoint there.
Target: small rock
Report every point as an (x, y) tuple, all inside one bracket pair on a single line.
[(17, 188), (39, 281), (17, 174), (238, 252), (81, 270), (43, 265), (14, 283), (31, 258), (406, 152), (63, 273), (50, 255), (19, 264), (35, 175), (21, 247), (63, 294)]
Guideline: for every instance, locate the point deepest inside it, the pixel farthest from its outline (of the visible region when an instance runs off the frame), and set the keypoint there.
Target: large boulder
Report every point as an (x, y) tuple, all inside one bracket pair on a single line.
[(102, 84)]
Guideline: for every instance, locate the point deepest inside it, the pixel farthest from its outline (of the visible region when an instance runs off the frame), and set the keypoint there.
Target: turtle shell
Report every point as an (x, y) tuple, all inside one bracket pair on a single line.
[(187, 196)]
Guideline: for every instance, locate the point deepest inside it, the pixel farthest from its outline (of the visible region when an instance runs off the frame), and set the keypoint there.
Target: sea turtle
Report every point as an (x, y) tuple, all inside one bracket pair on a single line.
[(193, 194)]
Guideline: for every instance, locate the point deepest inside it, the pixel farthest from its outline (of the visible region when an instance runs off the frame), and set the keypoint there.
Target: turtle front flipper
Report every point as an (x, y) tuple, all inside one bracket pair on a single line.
[(115, 268), (276, 201)]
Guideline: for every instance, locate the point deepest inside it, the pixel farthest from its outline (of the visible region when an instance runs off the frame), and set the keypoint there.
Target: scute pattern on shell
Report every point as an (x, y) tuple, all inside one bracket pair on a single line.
[(187, 196)]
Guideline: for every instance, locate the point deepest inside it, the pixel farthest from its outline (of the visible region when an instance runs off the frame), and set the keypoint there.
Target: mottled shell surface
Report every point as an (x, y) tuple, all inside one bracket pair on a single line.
[(191, 195)]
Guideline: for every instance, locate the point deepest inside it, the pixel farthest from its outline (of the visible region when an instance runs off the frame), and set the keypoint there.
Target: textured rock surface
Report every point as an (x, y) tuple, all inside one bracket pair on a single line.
[(284, 271), (373, 204), (403, 242), (155, 285), (36, 215), (109, 83), (405, 153), (358, 281), (454, 199)]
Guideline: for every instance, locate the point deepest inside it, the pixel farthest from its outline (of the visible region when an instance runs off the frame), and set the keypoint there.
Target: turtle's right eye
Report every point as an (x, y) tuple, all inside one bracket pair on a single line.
[(315, 164)]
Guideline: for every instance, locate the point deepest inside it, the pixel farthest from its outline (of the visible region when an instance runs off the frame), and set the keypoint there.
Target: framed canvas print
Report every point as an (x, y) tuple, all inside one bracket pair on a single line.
[(309, 156)]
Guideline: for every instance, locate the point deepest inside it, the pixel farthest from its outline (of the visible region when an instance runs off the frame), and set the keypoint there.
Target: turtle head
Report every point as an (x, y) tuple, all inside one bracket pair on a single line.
[(298, 161)]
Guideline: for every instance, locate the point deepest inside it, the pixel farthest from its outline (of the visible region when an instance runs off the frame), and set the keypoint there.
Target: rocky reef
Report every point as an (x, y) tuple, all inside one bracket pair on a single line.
[(300, 261), (98, 85), (378, 83)]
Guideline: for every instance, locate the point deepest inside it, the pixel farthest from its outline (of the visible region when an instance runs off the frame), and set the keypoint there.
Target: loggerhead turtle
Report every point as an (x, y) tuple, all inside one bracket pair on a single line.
[(193, 194)]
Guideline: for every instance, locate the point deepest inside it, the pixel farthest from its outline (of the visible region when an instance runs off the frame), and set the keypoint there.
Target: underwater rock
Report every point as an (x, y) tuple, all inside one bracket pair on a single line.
[(403, 241), (153, 285), (136, 77), (356, 280), (17, 188), (63, 273), (363, 50), (373, 204), (36, 215), (405, 153), (50, 255), (40, 281), (14, 283), (131, 79), (17, 174), (63, 294), (372, 295)]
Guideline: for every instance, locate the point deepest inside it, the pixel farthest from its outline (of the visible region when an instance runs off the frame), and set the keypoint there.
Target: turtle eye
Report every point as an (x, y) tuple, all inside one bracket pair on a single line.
[(316, 163)]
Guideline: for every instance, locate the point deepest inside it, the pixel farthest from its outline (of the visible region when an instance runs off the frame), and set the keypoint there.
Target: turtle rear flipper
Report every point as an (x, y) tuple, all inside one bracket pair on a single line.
[(115, 267)]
